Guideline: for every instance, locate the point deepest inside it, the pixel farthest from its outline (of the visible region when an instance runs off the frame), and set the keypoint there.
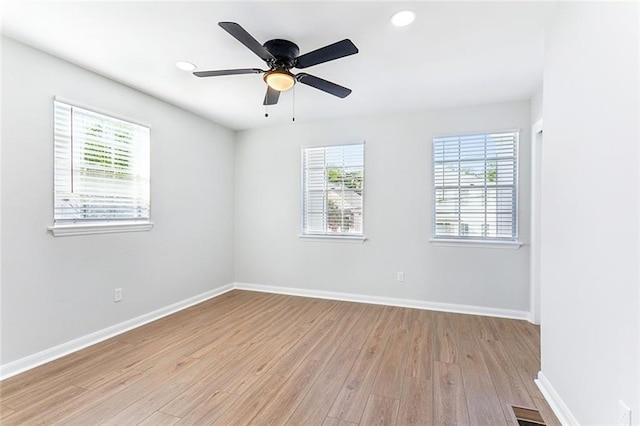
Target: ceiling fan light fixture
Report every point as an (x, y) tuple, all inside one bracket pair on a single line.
[(280, 80), (403, 18)]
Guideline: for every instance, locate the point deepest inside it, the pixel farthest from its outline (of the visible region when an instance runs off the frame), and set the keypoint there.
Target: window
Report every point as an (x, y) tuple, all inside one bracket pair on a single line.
[(475, 187), (101, 169), (332, 190)]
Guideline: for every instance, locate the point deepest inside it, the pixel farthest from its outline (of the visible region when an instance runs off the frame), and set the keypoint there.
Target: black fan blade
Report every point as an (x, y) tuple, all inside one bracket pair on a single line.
[(324, 85), (245, 38), (328, 53), (271, 97), (227, 72)]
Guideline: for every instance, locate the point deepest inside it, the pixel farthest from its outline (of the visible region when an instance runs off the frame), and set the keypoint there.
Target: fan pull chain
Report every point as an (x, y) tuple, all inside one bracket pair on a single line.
[(294, 105), (266, 114)]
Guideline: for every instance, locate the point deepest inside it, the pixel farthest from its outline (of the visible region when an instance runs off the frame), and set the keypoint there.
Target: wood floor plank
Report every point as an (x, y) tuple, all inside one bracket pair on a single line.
[(102, 409), (509, 332), (54, 374), (159, 419), (484, 329), (314, 407), (103, 379), (508, 383), (445, 341), (304, 376), (157, 397), (224, 323), (5, 412), (416, 404), (212, 308), (239, 332), (330, 421), (151, 352), (247, 406), (352, 398), (30, 400), (526, 362), (201, 388), (389, 379), (420, 361), (24, 381), (288, 363), (76, 406), (449, 400), (380, 411), (483, 403), (271, 347), (289, 394), (239, 366), (233, 371), (231, 331), (247, 357), (210, 409), (24, 415), (529, 335)]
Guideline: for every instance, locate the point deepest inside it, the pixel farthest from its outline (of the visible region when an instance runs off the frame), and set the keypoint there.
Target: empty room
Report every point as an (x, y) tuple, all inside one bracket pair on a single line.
[(320, 213)]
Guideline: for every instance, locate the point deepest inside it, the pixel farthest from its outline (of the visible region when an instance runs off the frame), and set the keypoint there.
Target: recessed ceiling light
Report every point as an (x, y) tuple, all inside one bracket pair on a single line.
[(403, 18), (185, 66)]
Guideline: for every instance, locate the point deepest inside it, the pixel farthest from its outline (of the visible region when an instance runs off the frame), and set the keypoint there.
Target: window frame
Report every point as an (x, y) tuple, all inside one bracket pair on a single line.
[(479, 241), (70, 227), (343, 238)]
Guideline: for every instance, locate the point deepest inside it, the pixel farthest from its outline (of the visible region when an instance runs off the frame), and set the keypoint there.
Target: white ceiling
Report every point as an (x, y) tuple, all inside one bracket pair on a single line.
[(454, 54)]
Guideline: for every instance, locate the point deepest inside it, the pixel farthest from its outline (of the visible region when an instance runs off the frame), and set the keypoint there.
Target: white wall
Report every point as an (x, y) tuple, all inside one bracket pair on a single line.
[(397, 216), (536, 179), (590, 235), (536, 106), (58, 289)]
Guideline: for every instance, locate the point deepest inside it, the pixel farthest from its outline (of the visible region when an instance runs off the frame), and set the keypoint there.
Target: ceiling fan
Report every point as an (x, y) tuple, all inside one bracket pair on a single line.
[(281, 56)]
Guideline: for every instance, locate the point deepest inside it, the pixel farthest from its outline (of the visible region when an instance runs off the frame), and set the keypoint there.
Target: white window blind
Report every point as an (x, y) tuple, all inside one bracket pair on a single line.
[(475, 186), (101, 167), (332, 190)]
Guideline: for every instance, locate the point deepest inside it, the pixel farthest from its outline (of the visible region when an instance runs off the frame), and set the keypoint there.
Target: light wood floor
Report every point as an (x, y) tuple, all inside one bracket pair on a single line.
[(256, 358)]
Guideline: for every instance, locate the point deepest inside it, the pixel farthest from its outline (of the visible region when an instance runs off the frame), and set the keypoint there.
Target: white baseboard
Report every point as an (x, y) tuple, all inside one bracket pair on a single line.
[(556, 403), (32, 361), (391, 301)]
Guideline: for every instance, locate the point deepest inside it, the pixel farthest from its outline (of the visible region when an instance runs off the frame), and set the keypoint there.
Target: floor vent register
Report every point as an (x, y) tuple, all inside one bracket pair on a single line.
[(527, 417)]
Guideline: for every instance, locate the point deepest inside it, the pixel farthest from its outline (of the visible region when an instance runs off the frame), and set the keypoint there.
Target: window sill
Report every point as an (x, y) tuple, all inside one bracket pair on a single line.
[(334, 238), (94, 228), (509, 245)]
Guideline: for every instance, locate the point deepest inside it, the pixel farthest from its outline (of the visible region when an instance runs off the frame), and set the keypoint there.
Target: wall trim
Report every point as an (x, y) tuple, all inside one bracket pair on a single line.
[(73, 229), (556, 403), (390, 301), (47, 355), (534, 228), (537, 127)]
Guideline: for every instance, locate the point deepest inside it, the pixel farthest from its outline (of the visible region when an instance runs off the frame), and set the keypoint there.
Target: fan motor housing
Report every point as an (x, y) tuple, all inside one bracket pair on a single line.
[(284, 51)]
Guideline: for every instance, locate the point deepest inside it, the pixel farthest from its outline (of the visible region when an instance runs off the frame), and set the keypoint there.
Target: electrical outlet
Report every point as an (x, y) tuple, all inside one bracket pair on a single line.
[(400, 277), (117, 295), (625, 414)]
